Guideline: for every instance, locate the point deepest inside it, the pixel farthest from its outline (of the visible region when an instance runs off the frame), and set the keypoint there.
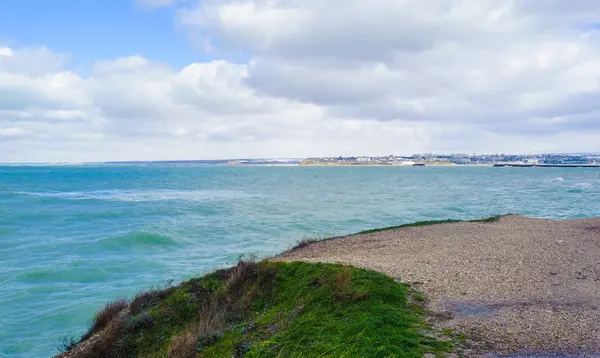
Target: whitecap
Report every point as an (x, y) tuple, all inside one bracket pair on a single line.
[(142, 195), (583, 185)]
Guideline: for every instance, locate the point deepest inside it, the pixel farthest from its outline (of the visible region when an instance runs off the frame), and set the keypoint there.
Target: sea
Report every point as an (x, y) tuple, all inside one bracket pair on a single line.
[(73, 237)]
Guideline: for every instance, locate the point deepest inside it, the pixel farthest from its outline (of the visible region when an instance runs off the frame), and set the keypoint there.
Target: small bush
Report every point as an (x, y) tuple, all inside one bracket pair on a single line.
[(103, 317), (307, 241), (66, 344), (212, 317), (241, 348), (143, 320), (208, 339), (239, 276), (148, 298), (111, 342), (183, 345), (304, 243)]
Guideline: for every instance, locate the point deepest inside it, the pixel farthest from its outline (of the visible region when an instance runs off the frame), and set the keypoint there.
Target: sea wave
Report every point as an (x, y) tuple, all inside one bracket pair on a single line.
[(71, 274), (140, 195), (138, 240)]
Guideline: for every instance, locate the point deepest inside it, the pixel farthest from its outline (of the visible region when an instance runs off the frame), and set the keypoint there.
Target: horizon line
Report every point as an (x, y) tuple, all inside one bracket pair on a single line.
[(282, 158)]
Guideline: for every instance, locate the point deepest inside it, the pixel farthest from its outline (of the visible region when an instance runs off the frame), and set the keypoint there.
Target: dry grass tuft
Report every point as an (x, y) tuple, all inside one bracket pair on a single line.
[(110, 343), (309, 240), (212, 318), (342, 285), (104, 316), (239, 276), (183, 345), (205, 331)]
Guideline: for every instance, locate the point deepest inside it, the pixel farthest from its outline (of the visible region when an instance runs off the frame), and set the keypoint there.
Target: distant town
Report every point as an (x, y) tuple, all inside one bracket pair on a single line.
[(429, 159)]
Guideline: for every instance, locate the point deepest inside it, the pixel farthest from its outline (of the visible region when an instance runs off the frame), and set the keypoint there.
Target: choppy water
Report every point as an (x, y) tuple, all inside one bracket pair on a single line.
[(72, 237)]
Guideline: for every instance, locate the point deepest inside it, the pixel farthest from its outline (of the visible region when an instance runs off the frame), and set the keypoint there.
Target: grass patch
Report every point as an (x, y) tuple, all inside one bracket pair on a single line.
[(433, 222), (419, 297), (458, 337), (275, 309)]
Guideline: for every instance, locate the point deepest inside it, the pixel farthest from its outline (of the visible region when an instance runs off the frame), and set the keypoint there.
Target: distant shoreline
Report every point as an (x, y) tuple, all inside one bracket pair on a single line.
[(518, 165), (395, 166), (498, 165)]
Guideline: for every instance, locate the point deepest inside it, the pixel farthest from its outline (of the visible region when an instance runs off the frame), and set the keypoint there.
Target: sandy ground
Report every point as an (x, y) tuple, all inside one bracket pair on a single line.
[(518, 285)]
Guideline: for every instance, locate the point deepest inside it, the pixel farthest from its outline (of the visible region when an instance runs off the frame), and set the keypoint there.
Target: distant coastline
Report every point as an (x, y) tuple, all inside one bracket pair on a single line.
[(429, 159), (391, 165), (521, 165), (498, 165)]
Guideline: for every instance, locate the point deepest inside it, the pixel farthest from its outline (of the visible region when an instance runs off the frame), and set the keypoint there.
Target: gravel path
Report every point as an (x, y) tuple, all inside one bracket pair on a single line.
[(518, 285)]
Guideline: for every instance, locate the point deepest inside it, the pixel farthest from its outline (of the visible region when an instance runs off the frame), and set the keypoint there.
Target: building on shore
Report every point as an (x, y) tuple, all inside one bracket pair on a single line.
[(404, 163)]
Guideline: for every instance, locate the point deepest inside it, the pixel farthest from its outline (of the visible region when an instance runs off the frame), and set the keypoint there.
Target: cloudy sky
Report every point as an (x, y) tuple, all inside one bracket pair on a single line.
[(188, 79)]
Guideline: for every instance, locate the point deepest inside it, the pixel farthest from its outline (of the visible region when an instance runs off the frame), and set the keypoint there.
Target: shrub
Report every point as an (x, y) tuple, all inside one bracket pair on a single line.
[(66, 344), (103, 317), (183, 345), (148, 298), (111, 342)]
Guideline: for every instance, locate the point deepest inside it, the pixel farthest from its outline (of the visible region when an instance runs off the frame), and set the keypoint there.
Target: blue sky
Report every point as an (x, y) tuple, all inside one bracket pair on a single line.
[(89, 30), (91, 80)]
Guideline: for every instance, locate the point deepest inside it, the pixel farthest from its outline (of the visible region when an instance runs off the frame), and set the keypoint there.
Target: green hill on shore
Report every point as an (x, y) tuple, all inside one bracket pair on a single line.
[(267, 309)]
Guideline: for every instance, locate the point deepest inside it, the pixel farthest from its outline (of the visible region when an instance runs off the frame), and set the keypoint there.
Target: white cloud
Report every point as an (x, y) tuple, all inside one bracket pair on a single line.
[(155, 3), (494, 65), (323, 78), (6, 52), (12, 132)]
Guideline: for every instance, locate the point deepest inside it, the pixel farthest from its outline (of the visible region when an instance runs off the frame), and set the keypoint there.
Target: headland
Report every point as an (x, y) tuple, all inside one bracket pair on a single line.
[(503, 285)]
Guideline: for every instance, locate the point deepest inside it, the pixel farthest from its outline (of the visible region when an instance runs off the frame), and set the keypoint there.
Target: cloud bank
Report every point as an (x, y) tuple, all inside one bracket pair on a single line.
[(322, 78)]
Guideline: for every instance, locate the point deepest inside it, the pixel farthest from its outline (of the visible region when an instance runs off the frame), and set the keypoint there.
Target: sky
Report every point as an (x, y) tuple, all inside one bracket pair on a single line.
[(104, 80)]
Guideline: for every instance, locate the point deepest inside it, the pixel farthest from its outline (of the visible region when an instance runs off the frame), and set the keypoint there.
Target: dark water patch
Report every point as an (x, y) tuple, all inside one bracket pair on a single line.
[(462, 309), (84, 216), (470, 309), (72, 274), (575, 191), (595, 229)]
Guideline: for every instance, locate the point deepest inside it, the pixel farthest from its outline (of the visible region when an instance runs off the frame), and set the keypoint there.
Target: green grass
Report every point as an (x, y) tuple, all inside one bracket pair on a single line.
[(432, 222), (275, 309), (311, 240)]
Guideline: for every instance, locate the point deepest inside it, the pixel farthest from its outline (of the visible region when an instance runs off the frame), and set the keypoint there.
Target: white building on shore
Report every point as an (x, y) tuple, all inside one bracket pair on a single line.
[(404, 163)]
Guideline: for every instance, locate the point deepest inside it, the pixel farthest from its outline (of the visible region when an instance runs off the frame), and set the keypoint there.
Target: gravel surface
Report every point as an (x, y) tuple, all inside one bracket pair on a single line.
[(518, 285)]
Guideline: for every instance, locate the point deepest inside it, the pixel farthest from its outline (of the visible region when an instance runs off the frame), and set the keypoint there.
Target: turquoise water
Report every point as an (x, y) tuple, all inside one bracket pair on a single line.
[(73, 237)]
